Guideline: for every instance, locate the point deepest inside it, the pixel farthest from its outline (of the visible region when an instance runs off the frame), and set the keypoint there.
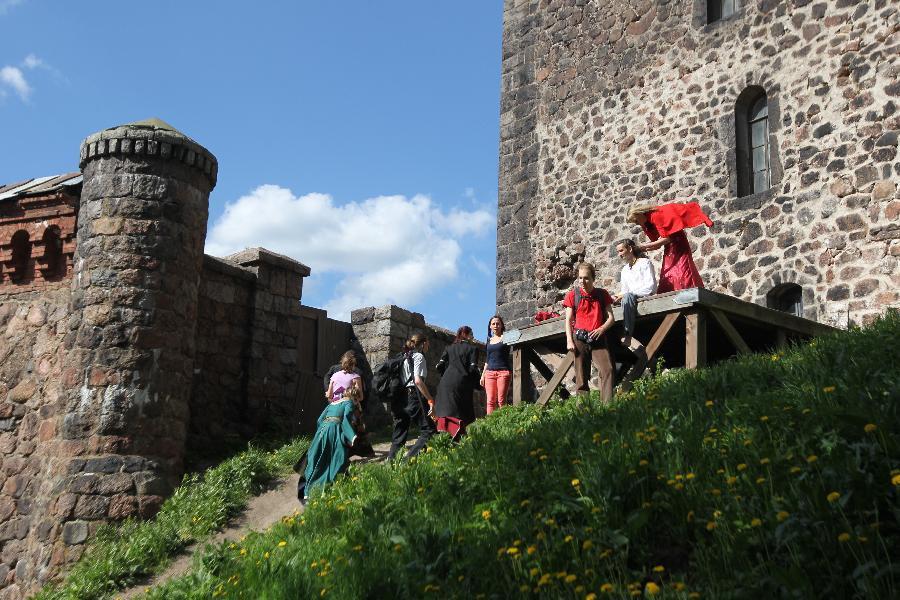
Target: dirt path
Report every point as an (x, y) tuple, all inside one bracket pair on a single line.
[(261, 512)]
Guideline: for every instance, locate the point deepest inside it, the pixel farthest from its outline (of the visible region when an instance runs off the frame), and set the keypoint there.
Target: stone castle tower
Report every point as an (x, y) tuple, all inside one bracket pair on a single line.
[(778, 116)]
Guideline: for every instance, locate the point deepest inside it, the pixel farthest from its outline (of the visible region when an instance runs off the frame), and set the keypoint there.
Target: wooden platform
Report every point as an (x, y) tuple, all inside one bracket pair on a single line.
[(688, 328)]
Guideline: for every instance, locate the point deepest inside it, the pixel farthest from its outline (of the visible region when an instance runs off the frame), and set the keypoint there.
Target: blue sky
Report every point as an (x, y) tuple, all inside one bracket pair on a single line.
[(360, 137)]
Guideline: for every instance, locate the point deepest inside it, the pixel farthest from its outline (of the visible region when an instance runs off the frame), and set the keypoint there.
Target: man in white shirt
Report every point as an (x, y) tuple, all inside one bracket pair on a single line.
[(638, 280)]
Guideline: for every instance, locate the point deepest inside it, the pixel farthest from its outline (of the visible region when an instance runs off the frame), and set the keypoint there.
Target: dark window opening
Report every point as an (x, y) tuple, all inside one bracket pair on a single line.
[(754, 173), (716, 10), (787, 297), (54, 263), (21, 257)]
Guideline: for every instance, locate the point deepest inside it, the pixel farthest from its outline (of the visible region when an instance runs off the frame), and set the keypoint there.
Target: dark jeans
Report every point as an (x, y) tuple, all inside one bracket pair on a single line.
[(415, 410), (629, 312)]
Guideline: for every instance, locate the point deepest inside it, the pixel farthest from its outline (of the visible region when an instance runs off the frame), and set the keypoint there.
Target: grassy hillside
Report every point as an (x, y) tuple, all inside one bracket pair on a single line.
[(774, 475)]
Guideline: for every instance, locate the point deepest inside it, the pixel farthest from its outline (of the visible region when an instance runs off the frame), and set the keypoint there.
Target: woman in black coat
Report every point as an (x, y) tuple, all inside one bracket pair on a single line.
[(453, 406)]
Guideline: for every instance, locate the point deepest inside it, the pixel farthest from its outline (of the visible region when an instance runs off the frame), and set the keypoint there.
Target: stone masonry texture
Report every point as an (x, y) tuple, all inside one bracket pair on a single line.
[(608, 103)]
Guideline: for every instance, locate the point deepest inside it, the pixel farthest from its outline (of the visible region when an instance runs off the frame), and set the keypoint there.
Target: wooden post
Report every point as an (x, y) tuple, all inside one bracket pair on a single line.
[(518, 375), (695, 340)]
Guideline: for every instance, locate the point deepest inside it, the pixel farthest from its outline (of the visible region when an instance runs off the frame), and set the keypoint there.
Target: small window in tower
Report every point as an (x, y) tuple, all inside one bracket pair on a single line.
[(787, 297), (754, 173), (21, 257), (716, 10)]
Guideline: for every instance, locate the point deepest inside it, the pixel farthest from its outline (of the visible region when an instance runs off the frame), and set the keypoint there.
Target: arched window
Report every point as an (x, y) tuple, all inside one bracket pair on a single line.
[(716, 10), (21, 257), (787, 297), (54, 264), (751, 113)]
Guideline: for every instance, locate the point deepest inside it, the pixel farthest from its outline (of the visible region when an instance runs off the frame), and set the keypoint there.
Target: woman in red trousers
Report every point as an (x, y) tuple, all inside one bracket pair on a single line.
[(664, 225)]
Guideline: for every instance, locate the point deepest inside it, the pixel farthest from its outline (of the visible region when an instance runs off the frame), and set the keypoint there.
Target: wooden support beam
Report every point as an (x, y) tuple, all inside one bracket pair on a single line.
[(781, 338), (538, 363), (653, 346), (730, 332), (695, 339), (557, 378), (518, 375)]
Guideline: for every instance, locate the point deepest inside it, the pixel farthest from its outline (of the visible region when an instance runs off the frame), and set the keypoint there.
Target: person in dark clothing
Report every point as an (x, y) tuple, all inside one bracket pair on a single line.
[(414, 372), (458, 366)]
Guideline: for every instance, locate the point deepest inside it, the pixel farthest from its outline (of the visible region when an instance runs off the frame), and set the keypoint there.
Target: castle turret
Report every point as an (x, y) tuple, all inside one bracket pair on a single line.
[(141, 229)]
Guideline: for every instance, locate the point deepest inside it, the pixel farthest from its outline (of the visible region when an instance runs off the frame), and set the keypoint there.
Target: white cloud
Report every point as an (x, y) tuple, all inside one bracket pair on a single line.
[(388, 249), (5, 5), (12, 77), (32, 62)]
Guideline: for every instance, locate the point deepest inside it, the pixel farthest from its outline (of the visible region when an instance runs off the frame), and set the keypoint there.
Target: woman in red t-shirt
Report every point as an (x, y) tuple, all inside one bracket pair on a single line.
[(665, 226), (586, 327)]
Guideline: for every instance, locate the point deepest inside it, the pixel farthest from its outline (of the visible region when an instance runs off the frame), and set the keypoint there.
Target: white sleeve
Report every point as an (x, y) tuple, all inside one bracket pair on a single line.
[(647, 276), (419, 367), (624, 287)]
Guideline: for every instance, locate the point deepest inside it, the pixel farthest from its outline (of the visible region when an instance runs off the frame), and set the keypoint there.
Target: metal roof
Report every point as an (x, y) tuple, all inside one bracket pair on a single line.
[(40, 185)]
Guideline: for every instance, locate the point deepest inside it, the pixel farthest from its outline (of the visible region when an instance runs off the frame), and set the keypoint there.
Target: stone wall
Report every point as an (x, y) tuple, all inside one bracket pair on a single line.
[(218, 390), (383, 331), (608, 103), (32, 329)]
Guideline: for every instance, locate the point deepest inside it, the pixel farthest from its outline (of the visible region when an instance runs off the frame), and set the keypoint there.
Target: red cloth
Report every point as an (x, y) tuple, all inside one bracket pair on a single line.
[(667, 219), (455, 427), (678, 270), (589, 314)]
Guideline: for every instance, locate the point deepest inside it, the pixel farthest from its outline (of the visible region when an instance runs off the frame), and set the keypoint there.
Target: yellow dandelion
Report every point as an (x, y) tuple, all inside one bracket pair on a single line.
[(812, 458), (651, 588), (870, 428), (690, 516), (710, 525), (282, 544), (795, 470), (694, 595), (742, 467), (760, 480), (679, 586), (512, 551), (895, 480), (715, 492), (531, 549), (266, 556), (764, 461), (828, 389), (709, 403), (576, 483), (844, 537), (659, 569), (782, 515), (485, 514), (534, 571), (591, 596), (571, 578), (607, 588), (833, 497), (731, 480), (690, 476), (568, 539), (764, 418), (643, 462), (587, 545)]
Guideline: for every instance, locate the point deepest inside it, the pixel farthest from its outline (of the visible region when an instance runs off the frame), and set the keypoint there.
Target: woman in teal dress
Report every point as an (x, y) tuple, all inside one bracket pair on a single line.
[(329, 453)]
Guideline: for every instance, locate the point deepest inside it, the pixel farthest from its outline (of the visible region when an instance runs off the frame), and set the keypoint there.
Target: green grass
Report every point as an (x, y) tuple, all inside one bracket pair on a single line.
[(126, 553), (769, 476)]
